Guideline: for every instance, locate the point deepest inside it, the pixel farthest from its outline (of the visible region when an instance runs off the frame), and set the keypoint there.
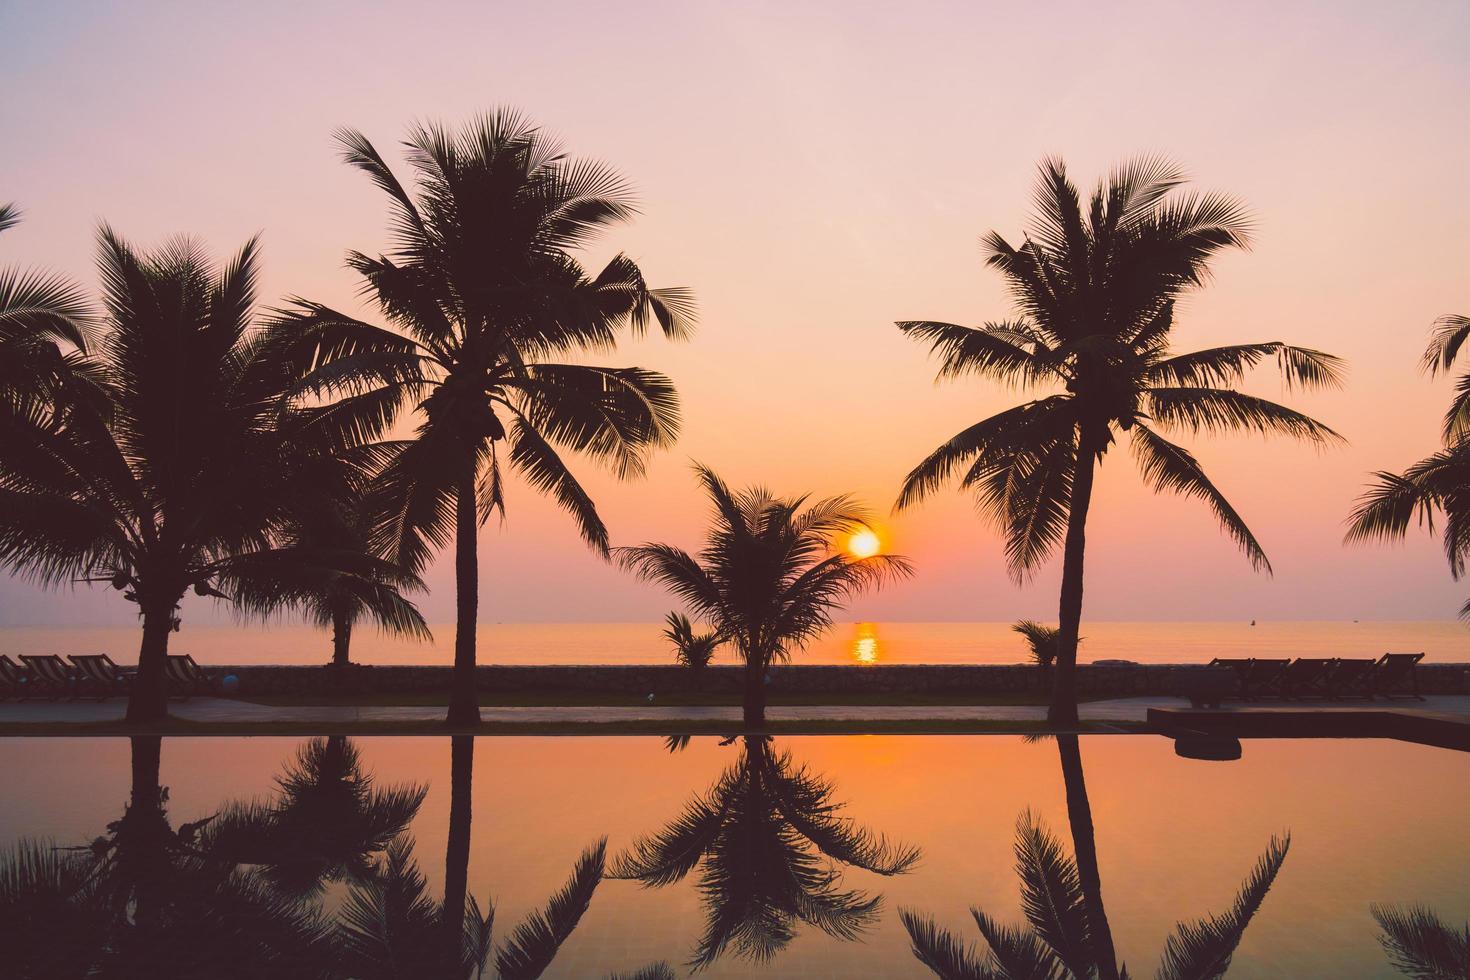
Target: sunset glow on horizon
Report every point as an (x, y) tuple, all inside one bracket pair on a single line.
[(841, 185)]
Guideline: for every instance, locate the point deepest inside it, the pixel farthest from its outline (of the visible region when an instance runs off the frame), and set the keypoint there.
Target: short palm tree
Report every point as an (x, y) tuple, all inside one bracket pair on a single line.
[(1041, 640), (338, 521), (1438, 485), (691, 649), (184, 472), (483, 296), (1095, 288), (1421, 944), (769, 836), (328, 821), (1060, 943), (769, 576), (45, 327)]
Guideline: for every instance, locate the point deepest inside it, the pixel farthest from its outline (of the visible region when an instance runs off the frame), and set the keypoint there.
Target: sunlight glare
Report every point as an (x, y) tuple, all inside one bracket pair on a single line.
[(864, 544)]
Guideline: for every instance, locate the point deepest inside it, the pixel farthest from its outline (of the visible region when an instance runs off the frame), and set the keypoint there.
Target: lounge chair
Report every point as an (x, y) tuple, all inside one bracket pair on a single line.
[(185, 677), (1395, 670), (98, 677), (1262, 678), (47, 676), (12, 678), (1351, 678), (1307, 678)]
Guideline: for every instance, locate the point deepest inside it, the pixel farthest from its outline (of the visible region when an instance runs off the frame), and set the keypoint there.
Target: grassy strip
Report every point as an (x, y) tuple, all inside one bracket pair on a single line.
[(181, 727), (589, 699)]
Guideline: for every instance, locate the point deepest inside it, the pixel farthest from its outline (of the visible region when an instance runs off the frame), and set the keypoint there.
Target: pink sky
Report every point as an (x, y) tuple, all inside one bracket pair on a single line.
[(814, 172)]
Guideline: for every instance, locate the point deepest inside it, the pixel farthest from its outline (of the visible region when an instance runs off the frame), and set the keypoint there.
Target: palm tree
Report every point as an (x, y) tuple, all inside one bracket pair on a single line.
[(1040, 639), (769, 835), (339, 522), (691, 649), (45, 326), (482, 294), (768, 578), (1061, 943), (391, 929), (1436, 485), (183, 474), (1421, 944), (328, 822), (1095, 290)]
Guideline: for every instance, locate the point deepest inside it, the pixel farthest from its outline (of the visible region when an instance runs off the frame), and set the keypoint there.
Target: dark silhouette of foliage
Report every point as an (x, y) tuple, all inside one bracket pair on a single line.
[(328, 821), (768, 839), (769, 577), (1040, 639), (1420, 944), (1095, 287), (690, 649), (1438, 485), (482, 295), (185, 471), (1058, 941)]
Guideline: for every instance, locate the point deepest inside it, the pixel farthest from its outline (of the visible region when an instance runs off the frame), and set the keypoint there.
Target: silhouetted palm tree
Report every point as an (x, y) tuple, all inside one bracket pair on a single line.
[(1061, 944), (392, 930), (769, 836), (45, 327), (328, 821), (1040, 639), (1438, 485), (338, 521), (483, 294), (184, 474), (1420, 944), (148, 900), (1095, 288), (768, 578), (691, 649)]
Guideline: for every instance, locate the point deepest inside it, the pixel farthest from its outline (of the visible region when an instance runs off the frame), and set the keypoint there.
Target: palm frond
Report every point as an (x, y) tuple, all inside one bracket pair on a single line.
[(534, 943), (941, 952), (1166, 466), (1420, 944), (1202, 950)]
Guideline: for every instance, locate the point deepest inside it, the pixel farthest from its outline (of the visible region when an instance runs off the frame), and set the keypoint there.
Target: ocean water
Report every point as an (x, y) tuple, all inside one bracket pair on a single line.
[(845, 643)]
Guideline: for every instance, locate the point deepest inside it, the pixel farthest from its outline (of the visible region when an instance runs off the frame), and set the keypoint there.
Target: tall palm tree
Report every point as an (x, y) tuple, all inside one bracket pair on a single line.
[(1060, 942), (184, 472), (769, 836), (45, 326), (1095, 289), (1438, 485), (769, 577), (483, 294)]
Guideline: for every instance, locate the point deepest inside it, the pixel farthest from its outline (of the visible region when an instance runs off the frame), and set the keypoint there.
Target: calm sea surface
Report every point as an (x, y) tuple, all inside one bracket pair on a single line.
[(1372, 821), (860, 643)]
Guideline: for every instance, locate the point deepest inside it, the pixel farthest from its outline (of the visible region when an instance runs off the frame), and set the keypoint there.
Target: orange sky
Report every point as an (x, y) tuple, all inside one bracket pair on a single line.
[(814, 172)]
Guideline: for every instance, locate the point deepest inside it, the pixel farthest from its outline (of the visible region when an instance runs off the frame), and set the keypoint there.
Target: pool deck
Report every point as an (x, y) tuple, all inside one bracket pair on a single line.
[(1440, 719)]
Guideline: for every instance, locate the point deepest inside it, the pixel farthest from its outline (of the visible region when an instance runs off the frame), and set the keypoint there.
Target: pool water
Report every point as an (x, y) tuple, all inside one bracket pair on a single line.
[(766, 875)]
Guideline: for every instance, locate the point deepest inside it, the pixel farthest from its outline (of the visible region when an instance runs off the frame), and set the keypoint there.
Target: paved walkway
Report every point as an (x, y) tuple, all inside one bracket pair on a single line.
[(226, 711)]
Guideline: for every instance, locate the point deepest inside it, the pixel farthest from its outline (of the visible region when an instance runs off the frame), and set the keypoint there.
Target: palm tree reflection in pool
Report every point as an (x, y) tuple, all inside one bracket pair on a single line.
[(769, 837), (1068, 936)]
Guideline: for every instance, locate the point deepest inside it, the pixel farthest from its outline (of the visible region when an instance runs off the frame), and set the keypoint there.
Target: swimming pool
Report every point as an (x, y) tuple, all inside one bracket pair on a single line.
[(785, 857)]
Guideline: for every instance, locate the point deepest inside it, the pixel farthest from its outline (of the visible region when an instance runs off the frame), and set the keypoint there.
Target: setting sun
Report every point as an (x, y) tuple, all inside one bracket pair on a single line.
[(864, 544)]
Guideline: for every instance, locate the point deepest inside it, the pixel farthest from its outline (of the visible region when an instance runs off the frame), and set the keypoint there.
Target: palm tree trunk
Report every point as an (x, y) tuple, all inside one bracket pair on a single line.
[(341, 639), (1063, 710), (144, 827), (464, 703), (755, 693), (1084, 845), (457, 854), (148, 697)]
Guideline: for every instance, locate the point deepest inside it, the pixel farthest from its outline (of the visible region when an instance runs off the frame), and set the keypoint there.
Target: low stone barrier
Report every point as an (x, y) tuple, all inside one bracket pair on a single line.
[(1114, 680)]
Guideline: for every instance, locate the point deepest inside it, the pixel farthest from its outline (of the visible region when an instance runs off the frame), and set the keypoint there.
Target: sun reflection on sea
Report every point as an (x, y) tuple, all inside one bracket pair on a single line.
[(865, 643)]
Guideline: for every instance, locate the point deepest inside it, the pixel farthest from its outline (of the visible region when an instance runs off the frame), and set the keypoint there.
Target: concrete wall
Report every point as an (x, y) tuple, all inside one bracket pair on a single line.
[(666, 679)]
